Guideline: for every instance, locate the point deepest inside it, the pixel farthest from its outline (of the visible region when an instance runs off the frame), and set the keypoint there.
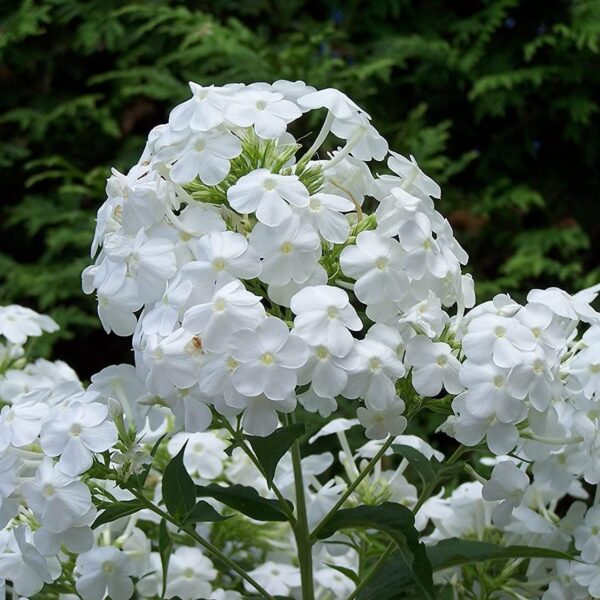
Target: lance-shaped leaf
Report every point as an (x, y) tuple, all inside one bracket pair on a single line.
[(394, 580), (270, 450), (117, 510), (203, 512), (178, 489), (245, 500)]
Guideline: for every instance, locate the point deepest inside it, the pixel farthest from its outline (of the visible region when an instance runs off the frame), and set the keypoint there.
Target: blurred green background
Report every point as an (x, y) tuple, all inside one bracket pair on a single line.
[(497, 99)]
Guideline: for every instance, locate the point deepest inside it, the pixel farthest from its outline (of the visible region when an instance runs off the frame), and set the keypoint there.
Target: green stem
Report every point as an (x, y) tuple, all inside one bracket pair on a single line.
[(430, 488), (203, 542), (301, 531), (370, 466), (372, 571)]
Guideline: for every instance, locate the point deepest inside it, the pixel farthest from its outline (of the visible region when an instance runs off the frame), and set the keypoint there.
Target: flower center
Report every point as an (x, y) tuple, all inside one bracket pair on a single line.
[(381, 263), (75, 430), (269, 184), (538, 367), (374, 364), (536, 332), (498, 381), (232, 363), (315, 204), (332, 312), (198, 448), (500, 332), (267, 358), (261, 105), (219, 305), (595, 368), (287, 247), (108, 567), (199, 145), (218, 264), (48, 490), (442, 360), (188, 573), (322, 352)]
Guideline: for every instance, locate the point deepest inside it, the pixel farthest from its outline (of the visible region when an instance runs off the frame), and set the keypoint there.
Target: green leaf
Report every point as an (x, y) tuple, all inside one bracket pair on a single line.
[(394, 577), (349, 573), (165, 546), (454, 552), (117, 510), (398, 522), (203, 512), (245, 500), (425, 469), (178, 489), (269, 450)]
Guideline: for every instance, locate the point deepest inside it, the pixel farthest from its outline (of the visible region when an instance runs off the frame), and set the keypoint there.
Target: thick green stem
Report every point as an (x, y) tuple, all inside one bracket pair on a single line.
[(353, 485), (301, 531), (191, 532)]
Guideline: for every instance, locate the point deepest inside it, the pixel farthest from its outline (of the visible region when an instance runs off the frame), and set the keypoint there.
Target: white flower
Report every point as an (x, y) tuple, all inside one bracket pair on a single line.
[(202, 154), (150, 261), (23, 565), (269, 358), (508, 484), (326, 372), (290, 252), (379, 424), (102, 571), (587, 536), (204, 454), (413, 176), (222, 257), (17, 323), (20, 424), (471, 427), (324, 213), (434, 367), (277, 578), (333, 100), (203, 111), (427, 316), (260, 414), (57, 500), (268, 195), (116, 310), (504, 339), (231, 308), (162, 317), (365, 141), (324, 316), (190, 574), (423, 252), (377, 264), (81, 430), (373, 372), (564, 305), (268, 111)]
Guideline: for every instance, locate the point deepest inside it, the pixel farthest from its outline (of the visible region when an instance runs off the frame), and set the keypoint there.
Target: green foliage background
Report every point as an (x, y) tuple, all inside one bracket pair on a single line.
[(497, 99)]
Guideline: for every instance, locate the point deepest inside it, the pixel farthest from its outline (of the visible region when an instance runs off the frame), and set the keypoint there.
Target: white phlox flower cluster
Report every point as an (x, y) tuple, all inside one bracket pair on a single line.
[(250, 274)]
